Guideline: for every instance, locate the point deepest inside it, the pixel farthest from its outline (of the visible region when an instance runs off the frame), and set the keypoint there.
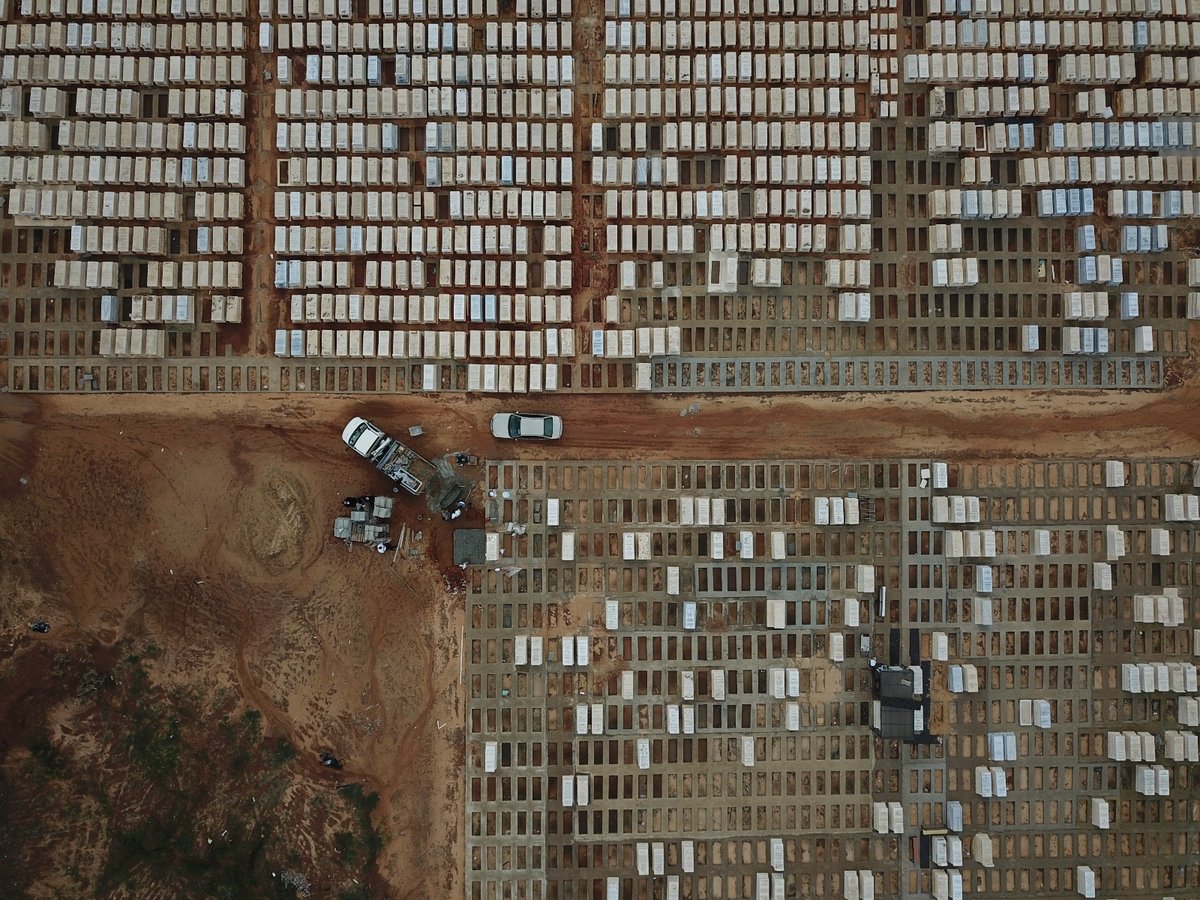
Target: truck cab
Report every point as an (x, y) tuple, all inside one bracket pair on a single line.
[(364, 438)]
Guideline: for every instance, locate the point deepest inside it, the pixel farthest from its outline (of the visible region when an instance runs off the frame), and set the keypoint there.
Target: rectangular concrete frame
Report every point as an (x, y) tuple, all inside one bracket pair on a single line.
[(1053, 637)]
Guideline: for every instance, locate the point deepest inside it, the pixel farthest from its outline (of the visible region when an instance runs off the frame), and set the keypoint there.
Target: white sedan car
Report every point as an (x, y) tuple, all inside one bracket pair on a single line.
[(527, 425)]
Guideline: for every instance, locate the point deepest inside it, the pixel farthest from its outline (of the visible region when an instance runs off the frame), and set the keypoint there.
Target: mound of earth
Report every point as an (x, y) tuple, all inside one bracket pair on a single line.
[(273, 520)]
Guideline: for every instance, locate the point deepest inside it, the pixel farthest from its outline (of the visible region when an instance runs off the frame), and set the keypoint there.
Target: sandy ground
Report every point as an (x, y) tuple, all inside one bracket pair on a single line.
[(203, 523), (212, 540), (996, 425)]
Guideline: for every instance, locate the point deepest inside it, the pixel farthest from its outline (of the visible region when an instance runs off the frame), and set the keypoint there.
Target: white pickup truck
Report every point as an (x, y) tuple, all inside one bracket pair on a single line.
[(389, 456)]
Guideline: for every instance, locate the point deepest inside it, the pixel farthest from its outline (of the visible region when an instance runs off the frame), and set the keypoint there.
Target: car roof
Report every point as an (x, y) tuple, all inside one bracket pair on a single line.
[(532, 424)]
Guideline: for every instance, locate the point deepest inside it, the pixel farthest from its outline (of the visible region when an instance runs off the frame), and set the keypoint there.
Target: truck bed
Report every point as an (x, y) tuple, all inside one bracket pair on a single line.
[(402, 461)]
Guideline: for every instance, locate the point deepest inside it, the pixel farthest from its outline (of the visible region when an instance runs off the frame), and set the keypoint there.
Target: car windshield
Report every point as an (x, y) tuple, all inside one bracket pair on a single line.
[(514, 426), (358, 432), (548, 427)]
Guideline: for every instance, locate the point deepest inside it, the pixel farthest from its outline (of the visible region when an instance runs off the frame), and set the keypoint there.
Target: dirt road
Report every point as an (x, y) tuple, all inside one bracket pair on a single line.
[(202, 523), (999, 424)]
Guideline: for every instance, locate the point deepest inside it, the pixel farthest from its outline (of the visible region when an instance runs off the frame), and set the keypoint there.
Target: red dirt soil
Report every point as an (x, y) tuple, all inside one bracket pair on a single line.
[(212, 540), (202, 523)]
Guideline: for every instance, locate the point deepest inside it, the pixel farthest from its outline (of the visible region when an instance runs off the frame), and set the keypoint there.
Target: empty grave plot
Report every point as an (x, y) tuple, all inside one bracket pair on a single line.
[(627, 195), (900, 678)]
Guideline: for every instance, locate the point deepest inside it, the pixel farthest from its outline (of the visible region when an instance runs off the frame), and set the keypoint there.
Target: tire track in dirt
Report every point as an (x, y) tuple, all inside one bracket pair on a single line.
[(281, 723), (115, 441), (405, 756), (407, 747), (18, 440), (1006, 423)]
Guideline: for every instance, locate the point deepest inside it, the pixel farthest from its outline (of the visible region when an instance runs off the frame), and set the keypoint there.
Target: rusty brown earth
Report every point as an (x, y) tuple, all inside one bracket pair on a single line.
[(201, 524)]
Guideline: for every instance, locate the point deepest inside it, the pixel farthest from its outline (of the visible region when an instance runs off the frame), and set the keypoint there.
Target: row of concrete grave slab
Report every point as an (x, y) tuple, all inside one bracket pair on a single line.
[(496, 378), (103, 274), (130, 68), (728, 103), (722, 204), (1159, 677), (168, 309), (636, 342), (764, 272), (779, 168), (433, 25), (1096, 305), (458, 239), (319, 170), (1075, 31), (69, 203), (1085, 8), (717, 9), (411, 274), (428, 309), (529, 67), (184, 39), (839, 35), (191, 135), (675, 71), (422, 102), (1167, 608), (420, 345), (138, 239), (134, 342), (1140, 746), (179, 10), (409, 206), (64, 205)]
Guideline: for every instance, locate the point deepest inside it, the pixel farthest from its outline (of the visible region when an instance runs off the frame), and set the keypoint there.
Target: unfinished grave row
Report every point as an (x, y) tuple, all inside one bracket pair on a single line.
[(675, 675)]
